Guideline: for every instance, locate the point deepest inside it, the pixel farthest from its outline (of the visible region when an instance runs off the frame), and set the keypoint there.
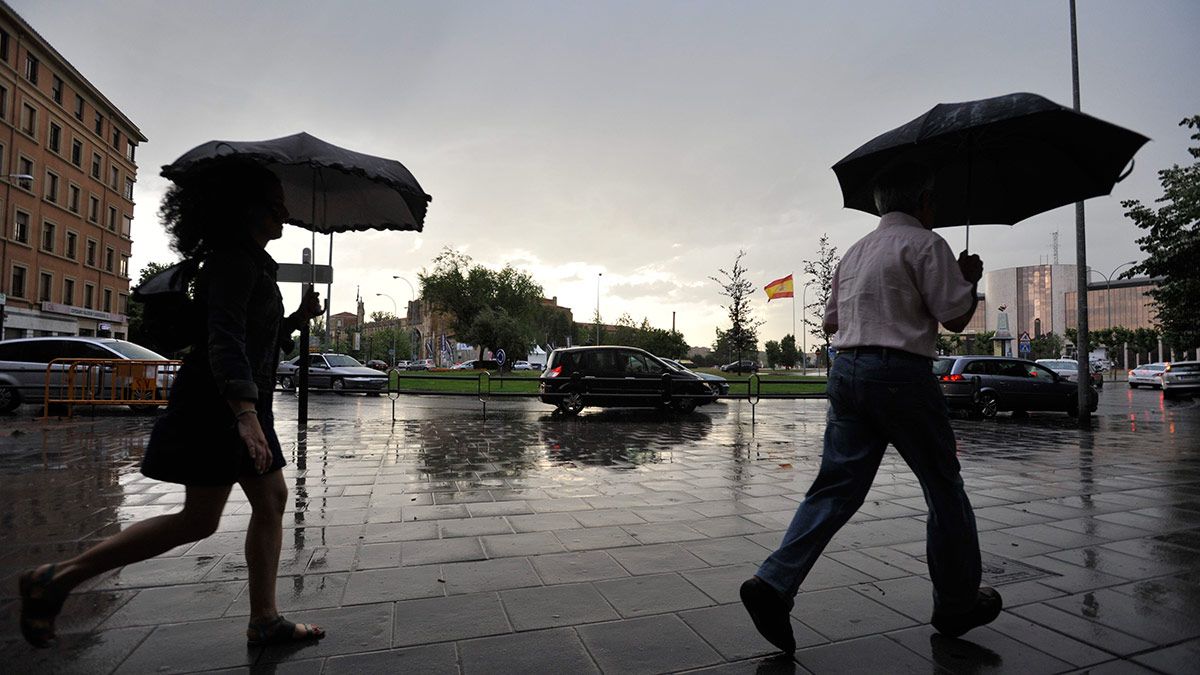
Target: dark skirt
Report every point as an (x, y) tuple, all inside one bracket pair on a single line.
[(196, 441)]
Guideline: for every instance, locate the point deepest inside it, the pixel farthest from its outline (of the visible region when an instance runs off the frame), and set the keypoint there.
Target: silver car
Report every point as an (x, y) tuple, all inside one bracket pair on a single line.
[(25, 364), (1149, 375), (1181, 377), (338, 372)]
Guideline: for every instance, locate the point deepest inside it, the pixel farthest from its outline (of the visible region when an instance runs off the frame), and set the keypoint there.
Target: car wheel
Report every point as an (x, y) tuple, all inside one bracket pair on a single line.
[(338, 385), (287, 383), (988, 406), (10, 398), (683, 405), (1132, 385), (571, 403)]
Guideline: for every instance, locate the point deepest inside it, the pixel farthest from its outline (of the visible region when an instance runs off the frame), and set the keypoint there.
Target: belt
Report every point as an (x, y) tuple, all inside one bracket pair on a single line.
[(881, 351)]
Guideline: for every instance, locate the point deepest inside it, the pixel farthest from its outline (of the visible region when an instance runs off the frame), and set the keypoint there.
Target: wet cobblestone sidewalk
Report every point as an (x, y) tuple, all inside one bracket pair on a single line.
[(615, 542)]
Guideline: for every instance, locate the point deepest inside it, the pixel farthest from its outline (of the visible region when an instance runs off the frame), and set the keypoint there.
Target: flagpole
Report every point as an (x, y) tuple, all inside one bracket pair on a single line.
[(794, 317)]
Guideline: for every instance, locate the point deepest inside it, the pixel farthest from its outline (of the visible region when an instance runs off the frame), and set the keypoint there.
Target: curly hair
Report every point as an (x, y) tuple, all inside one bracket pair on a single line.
[(216, 206)]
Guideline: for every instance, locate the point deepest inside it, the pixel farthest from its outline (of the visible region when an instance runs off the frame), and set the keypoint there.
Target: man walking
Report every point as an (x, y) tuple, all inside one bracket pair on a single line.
[(890, 291)]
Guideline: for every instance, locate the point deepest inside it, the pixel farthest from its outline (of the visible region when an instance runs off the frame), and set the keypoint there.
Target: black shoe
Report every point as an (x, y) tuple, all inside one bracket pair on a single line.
[(770, 613), (987, 607)]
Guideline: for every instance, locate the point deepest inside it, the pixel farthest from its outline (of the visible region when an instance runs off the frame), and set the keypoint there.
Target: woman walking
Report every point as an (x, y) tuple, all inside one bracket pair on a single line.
[(218, 428)]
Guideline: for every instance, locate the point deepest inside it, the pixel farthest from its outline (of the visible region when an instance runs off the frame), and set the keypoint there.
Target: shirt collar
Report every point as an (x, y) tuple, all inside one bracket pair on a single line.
[(898, 218)]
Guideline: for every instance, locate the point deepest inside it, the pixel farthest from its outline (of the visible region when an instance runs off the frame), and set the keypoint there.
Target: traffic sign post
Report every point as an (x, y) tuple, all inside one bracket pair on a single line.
[(1024, 344)]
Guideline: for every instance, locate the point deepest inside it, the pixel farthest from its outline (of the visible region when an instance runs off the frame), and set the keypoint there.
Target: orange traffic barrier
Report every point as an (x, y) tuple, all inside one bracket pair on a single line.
[(139, 383)]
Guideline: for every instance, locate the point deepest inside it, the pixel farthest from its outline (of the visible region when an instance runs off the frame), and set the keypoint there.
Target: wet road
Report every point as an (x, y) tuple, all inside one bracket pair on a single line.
[(453, 541)]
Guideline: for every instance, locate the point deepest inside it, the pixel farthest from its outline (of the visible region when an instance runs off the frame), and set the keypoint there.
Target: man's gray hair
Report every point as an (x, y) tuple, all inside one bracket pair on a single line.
[(899, 187)]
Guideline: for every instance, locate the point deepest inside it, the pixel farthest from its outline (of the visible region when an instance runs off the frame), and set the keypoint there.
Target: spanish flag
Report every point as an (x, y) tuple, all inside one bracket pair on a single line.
[(780, 288)]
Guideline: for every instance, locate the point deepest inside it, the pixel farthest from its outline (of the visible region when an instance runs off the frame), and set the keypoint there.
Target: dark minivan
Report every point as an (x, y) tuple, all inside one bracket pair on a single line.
[(619, 377), (985, 385)]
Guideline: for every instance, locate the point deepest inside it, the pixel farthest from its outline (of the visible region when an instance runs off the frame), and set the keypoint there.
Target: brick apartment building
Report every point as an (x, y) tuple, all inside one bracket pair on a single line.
[(67, 173)]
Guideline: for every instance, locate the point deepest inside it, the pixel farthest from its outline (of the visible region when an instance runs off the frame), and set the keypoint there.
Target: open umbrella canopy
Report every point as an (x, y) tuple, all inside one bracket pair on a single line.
[(997, 160), (326, 188)]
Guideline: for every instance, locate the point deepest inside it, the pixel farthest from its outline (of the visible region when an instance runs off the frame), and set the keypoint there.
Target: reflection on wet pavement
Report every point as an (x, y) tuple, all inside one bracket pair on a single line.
[(608, 533)]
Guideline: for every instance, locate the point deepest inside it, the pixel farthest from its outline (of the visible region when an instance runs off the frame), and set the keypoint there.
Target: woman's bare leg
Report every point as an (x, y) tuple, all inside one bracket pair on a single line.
[(147, 538)]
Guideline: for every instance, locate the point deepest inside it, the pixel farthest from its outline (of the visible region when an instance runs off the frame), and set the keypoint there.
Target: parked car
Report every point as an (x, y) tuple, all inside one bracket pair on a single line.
[(1149, 375), (419, 364), (377, 364), (1180, 378), (338, 372), (622, 377), (721, 384), (23, 364), (478, 364), (986, 385), (522, 365), (1068, 369), (743, 366)]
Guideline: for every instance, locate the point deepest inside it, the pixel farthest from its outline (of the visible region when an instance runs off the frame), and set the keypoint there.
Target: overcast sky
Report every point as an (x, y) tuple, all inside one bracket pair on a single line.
[(647, 141)]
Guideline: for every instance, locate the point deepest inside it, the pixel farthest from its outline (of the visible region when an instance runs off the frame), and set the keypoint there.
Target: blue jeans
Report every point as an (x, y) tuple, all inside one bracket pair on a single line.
[(876, 399)]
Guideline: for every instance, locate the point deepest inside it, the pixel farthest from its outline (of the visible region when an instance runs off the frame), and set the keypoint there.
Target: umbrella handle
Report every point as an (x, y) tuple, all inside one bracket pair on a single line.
[(967, 246)]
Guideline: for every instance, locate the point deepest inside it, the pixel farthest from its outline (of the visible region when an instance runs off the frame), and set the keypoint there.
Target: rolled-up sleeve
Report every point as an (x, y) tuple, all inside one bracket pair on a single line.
[(831, 313), (947, 294), (231, 276)]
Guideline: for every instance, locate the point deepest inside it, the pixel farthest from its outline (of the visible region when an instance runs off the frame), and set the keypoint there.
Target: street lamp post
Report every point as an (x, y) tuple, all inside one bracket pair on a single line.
[(598, 275), (1108, 293), (396, 315), (804, 326)]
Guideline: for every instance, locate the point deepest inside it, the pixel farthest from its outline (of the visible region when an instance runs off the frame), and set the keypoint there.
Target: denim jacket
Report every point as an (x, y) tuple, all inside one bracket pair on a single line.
[(237, 290)]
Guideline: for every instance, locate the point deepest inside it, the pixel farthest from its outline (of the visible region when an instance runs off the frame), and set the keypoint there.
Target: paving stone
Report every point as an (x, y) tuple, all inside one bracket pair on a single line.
[(543, 522), (348, 630), (721, 583), (1074, 652), (82, 653), (550, 606), (874, 654), (841, 614), (621, 646), (439, 659), (527, 543), (653, 594), (445, 619), (489, 575), (661, 533), (184, 647), (545, 651), (1179, 658), (726, 551), (1097, 635), (172, 604), (980, 649), (1136, 616), (575, 567), (396, 583), (656, 558), (441, 551), (729, 630), (594, 538)]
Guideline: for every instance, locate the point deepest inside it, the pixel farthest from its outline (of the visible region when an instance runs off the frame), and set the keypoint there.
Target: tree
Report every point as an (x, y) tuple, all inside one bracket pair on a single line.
[(982, 342), (773, 353), (742, 335), (1172, 246), (135, 310), (1046, 346), (787, 351), (496, 309), (821, 271)]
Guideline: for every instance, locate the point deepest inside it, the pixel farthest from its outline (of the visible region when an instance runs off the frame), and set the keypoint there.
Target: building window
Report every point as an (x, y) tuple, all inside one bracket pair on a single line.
[(46, 287), (108, 299), (25, 168), (52, 187), (31, 68), (127, 225), (116, 136), (54, 137), (48, 237), (3, 103), (130, 150), (123, 301), (114, 177), (129, 189), (96, 165), (56, 89), (21, 227), (72, 244), (73, 198), (90, 259), (89, 295), (98, 124), (112, 219), (4, 45), (124, 269), (28, 119), (79, 107), (68, 296), (17, 287), (76, 152), (108, 259), (93, 209)]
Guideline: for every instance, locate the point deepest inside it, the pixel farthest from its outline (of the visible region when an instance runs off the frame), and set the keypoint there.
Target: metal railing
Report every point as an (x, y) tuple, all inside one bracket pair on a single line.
[(140, 383)]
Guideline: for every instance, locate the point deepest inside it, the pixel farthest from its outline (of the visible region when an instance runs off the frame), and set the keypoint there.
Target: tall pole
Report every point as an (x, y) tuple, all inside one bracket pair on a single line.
[(804, 337), (1081, 308), (599, 275), (396, 315)]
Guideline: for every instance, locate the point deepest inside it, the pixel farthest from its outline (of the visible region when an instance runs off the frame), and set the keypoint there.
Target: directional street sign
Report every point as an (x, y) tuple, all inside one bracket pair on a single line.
[(1025, 345)]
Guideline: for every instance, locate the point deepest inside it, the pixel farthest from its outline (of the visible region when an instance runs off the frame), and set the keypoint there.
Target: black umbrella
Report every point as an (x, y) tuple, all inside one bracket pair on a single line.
[(326, 188), (997, 160)]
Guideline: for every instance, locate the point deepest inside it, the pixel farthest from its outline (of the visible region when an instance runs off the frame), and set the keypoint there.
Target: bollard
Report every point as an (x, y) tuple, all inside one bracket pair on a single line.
[(393, 389), (753, 394), (485, 389)]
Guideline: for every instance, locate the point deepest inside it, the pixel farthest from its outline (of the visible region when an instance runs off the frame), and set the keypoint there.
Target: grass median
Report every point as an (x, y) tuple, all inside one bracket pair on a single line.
[(468, 382)]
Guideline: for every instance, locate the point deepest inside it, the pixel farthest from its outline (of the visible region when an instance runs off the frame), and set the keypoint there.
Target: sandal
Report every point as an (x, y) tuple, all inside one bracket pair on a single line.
[(40, 604), (279, 631)]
